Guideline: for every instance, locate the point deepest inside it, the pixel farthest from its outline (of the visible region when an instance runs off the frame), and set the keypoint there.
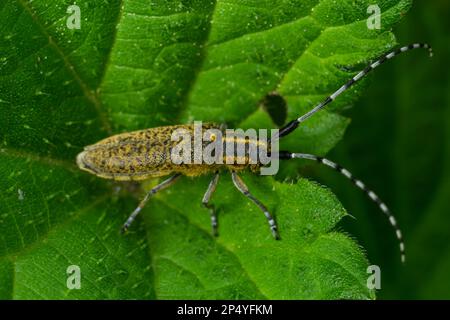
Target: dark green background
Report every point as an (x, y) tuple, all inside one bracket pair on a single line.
[(398, 143)]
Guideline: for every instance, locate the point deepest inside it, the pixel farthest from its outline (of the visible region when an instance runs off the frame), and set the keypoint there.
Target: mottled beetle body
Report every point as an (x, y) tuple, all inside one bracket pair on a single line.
[(145, 154)]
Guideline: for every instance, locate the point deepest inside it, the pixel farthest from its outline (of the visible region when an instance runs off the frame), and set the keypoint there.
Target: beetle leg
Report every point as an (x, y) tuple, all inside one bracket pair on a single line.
[(240, 185), (166, 183), (205, 201)]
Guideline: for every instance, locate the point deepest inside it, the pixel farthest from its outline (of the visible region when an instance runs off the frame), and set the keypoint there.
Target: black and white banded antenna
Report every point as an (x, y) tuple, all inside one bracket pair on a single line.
[(291, 126)]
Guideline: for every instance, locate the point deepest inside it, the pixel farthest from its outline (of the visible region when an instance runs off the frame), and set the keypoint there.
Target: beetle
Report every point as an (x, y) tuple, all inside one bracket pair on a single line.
[(145, 154)]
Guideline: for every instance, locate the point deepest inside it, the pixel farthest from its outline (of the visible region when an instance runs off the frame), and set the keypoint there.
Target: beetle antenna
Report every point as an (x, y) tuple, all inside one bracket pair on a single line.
[(291, 126), (288, 155)]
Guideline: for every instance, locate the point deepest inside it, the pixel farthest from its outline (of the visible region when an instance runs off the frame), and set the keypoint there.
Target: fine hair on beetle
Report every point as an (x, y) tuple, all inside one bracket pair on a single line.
[(202, 148)]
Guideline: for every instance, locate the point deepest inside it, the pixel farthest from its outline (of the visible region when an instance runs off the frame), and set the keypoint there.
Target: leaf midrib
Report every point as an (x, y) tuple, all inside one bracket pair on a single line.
[(72, 216), (90, 95)]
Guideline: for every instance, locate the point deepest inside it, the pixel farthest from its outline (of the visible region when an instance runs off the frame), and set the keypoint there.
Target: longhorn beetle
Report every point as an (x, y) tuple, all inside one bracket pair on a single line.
[(144, 154)]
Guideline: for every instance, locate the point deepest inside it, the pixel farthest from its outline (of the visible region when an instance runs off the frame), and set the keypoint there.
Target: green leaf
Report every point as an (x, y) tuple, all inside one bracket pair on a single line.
[(134, 65)]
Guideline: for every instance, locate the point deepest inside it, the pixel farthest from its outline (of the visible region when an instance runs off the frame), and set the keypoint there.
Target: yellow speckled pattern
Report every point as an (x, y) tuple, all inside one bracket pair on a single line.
[(145, 154)]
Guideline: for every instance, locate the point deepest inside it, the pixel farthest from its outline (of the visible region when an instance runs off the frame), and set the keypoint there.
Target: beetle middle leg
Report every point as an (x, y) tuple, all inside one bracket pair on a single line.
[(166, 183), (240, 185), (205, 201)]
